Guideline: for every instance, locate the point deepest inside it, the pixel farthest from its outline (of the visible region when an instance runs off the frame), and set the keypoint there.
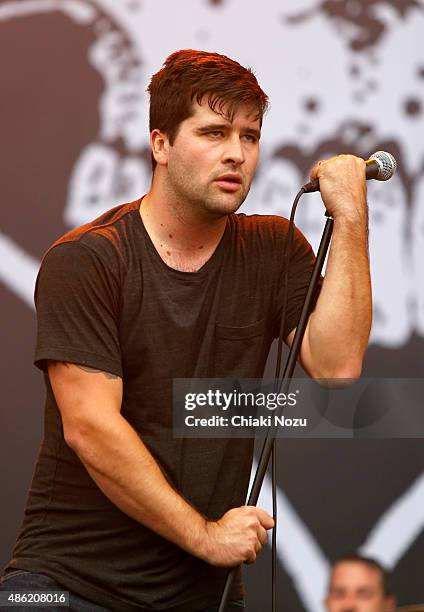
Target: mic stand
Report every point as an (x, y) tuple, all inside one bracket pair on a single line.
[(284, 386)]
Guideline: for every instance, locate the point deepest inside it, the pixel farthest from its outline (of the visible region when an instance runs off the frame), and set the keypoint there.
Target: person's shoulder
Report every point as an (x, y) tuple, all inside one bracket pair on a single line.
[(106, 239), (267, 232), (109, 227)]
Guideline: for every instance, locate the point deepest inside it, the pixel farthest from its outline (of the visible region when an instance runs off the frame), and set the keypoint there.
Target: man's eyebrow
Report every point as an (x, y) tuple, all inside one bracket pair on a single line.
[(365, 590), (213, 126), (224, 126)]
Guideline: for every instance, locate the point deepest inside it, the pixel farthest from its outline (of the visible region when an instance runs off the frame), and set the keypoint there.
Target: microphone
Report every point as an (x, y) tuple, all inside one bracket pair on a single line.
[(380, 166)]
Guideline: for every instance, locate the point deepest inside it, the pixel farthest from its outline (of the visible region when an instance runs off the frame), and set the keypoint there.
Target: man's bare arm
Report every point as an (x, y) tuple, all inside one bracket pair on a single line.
[(337, 332), (124, 469)]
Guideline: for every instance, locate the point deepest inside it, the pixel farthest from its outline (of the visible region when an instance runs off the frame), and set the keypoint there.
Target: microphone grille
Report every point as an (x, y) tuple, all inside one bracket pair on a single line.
[(386, 163)]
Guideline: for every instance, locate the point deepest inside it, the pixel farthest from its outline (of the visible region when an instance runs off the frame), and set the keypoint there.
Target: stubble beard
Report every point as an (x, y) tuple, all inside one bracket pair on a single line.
[(209, 199)]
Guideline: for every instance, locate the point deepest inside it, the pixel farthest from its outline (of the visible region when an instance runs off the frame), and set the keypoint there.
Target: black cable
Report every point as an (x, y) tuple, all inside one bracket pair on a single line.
[(286, 265)]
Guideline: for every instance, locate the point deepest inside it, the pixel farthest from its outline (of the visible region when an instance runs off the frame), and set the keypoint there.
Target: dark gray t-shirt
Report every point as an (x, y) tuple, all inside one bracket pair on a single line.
[(106, 299)]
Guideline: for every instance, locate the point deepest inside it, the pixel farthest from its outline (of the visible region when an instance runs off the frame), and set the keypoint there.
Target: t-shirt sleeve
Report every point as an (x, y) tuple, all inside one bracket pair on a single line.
[(302, 261), (77, 303)]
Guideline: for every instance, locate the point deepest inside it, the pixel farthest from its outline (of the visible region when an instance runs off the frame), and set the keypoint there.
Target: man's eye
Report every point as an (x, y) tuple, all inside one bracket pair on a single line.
[(250, 138), (215, 133)]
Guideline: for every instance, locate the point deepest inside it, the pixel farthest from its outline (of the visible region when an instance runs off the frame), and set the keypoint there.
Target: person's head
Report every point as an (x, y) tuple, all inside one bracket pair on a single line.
[(359, 584), (189, 76), (206, 112)]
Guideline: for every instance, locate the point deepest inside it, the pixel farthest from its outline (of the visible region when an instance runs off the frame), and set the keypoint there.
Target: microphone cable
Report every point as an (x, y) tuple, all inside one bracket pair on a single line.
[(286, 262)]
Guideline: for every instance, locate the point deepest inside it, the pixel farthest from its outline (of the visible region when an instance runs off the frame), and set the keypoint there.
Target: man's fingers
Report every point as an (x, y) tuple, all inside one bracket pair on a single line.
[(314, 172), (338, 164), (243, 531), (265, 519), (262, 536), (251, 558)]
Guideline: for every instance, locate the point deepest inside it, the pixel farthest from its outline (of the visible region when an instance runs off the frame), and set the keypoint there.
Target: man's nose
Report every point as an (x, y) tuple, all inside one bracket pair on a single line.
[(234, 151), (348, 604)]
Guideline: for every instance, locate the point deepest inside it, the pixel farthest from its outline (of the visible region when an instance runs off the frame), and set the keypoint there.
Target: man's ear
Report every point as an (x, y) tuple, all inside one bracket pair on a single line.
[(160, 146)]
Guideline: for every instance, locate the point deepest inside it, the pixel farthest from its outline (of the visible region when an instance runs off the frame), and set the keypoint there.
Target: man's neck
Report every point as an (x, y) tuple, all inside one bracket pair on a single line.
[(185, 241)]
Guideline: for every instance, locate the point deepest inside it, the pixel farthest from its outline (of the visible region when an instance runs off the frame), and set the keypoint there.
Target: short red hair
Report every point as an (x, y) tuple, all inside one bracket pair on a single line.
[(189, 75)]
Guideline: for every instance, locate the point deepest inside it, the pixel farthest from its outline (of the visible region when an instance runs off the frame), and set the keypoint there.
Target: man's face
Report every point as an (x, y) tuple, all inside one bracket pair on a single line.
[(356, 587), (211, 164)]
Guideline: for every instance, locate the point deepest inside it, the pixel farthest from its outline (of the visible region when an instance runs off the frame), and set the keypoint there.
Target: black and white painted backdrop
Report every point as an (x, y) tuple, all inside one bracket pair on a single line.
[(342, 76)]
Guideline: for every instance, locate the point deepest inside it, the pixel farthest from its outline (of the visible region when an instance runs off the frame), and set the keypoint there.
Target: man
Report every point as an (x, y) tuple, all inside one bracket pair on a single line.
[(359, 584), (176, 285)]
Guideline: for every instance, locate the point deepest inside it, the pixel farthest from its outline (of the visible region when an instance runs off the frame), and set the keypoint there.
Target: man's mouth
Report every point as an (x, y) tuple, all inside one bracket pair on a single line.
[(230, 182)]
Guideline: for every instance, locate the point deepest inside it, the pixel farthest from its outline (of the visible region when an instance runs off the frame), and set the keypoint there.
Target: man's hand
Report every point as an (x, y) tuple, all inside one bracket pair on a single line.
[(342, 185), (237, 537)]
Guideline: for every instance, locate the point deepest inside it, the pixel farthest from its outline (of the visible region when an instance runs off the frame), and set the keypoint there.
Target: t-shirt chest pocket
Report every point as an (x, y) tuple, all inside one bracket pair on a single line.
[(241, 350)]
